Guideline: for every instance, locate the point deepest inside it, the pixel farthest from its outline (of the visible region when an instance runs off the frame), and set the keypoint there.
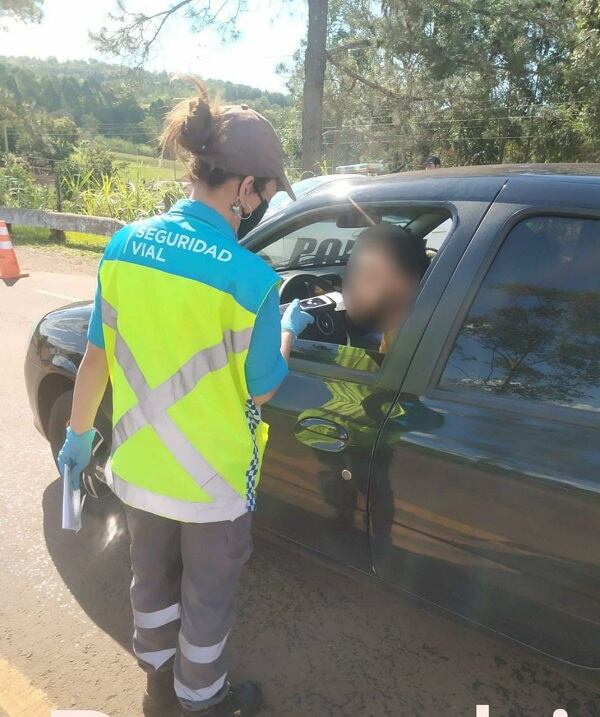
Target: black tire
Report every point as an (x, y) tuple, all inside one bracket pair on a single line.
[(57, 422), (57, 426)]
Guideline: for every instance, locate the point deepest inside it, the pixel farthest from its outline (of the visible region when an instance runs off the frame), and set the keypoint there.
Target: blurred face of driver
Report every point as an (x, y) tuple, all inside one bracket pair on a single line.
[(377, 292)]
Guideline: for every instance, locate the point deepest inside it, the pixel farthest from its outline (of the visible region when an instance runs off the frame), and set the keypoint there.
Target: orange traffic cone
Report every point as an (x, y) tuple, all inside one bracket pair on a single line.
[(9, 266)]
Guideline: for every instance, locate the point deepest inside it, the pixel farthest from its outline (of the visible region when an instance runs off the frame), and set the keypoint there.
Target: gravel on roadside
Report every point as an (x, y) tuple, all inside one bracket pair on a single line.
[(58, 259)]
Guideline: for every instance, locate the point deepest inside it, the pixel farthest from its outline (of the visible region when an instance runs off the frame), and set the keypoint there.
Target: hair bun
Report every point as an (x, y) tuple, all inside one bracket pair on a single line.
[(197, 130), (191, 127)]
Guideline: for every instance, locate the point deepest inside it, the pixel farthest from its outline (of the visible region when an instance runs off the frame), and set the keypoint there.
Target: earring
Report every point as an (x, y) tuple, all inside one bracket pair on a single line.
[(236, 208)]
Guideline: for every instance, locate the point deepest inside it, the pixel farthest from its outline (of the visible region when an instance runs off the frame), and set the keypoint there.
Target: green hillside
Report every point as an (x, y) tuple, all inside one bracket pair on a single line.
[(103, 100)]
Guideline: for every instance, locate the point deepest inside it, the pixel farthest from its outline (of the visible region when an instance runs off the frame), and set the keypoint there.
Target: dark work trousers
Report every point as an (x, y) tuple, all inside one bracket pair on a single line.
[(185, 579)]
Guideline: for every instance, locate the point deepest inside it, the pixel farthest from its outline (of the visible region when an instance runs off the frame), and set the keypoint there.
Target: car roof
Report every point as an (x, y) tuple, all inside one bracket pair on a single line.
[(481, 182), (505, 170), (350, 179)]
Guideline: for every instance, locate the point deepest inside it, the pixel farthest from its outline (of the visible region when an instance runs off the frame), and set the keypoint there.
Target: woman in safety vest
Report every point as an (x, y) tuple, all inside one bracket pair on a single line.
[(186, 324)]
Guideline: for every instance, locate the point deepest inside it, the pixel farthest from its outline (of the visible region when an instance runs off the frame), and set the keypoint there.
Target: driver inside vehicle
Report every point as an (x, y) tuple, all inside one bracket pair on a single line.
[(382, 280)]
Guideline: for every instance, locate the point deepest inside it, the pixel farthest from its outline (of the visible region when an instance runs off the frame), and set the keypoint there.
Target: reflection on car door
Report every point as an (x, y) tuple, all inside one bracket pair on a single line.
[(492, 453), (314, 483)]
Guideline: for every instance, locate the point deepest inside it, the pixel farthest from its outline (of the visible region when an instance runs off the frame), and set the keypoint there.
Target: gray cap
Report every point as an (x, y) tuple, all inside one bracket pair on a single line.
[(246, 144)]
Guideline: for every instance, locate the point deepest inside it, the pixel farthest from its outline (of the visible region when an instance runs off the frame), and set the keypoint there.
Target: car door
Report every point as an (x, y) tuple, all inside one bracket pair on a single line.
[(325, 418), (314, 479), (492, 452)]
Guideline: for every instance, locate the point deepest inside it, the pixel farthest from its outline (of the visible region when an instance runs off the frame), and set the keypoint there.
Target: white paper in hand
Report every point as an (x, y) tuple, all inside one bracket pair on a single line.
[(71, 505)]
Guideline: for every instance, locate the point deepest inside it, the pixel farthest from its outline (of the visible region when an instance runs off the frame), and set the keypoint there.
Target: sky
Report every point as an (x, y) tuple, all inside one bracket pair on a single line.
[(271, 31)]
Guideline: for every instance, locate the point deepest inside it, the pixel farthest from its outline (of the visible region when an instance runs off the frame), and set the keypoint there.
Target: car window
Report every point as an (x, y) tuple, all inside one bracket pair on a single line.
[(438, 236), (533, 331), (321, 243), (356, 338)]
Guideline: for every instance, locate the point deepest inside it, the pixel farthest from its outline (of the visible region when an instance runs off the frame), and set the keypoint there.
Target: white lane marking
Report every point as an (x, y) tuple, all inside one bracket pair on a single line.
[(58, 296)]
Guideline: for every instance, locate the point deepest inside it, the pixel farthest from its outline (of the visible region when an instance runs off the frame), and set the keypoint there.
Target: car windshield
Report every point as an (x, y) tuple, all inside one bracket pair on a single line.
[(281, 199)]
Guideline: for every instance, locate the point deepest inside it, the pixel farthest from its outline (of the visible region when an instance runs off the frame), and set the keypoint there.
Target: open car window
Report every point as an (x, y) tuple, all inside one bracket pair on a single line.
[(329, 241), (302, 254)]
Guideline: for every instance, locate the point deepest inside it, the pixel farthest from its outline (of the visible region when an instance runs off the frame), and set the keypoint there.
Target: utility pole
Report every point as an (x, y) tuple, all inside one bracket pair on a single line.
[(314, 79)]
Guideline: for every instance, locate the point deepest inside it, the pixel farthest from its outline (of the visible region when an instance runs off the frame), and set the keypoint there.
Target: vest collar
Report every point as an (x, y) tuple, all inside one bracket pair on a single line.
[(204, 213)]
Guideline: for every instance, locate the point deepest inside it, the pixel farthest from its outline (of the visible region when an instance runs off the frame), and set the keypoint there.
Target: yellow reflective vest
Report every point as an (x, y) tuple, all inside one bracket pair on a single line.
[(179, 299)]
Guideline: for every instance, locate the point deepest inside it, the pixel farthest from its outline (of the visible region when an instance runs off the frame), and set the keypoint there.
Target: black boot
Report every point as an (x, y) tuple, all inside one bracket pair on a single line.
[(160, 696), (244, 700)]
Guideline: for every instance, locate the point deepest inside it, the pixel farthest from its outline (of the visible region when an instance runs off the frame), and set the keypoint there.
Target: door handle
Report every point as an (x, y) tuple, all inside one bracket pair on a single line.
[(321, 434)]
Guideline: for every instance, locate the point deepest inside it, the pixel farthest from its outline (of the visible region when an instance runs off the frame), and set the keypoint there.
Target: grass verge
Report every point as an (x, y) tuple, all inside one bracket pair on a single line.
[(138, 167)]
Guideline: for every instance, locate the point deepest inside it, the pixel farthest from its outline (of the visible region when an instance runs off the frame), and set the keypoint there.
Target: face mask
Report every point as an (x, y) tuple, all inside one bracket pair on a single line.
[(247, 225)]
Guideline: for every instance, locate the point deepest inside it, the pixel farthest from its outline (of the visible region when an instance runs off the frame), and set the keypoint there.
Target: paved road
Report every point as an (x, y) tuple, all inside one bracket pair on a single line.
[(321, 642)]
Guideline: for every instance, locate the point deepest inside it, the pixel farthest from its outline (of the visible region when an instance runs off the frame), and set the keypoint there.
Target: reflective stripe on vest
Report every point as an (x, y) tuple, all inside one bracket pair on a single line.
[(152, 405), (184, 510)]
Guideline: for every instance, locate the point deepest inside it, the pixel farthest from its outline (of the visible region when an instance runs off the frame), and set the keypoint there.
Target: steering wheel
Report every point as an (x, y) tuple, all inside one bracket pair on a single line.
[(330, 324), (285, 290)]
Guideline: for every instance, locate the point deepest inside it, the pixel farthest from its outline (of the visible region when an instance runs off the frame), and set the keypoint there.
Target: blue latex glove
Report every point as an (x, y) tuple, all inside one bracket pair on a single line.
[(294, 319), (76, 453)]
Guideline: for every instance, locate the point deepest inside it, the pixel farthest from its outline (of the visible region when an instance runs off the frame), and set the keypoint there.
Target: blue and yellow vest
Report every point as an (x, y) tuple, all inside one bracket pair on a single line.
[(179, 302)]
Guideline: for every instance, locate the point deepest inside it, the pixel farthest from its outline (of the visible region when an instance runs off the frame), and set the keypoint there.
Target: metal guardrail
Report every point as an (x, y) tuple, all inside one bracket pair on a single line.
[(103, 226)]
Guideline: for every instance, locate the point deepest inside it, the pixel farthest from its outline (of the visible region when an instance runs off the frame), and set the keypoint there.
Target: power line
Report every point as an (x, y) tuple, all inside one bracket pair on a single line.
[(491, 118), (136, 131), (390, 140)]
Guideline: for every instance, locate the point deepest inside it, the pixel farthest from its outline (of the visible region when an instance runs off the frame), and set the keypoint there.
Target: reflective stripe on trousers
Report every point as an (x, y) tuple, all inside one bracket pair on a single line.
[(182, 594), (152, 405)]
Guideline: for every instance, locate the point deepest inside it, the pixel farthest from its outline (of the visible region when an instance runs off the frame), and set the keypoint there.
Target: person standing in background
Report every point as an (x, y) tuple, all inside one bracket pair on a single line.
[(433, 162)]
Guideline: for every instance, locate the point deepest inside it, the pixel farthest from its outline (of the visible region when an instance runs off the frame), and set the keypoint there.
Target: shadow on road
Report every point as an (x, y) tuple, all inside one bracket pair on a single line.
[(94, 563), (323, 643)]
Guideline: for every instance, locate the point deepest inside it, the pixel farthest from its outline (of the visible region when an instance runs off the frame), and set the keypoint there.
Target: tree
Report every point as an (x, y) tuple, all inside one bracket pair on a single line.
[(474, 83), (101, 99), (544, 345), (23, 10), (132, 34), (315, 60), (47, 139)]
